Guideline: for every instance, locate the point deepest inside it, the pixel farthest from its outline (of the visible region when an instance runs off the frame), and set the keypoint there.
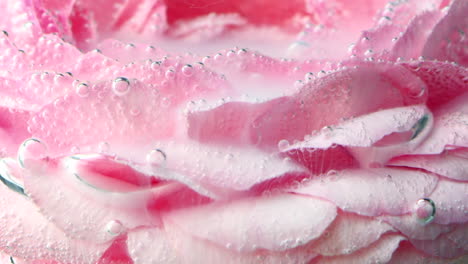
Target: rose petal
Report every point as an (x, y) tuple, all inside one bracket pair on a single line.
[(450, 200), (459, 236), (258, 223), (450, 127), (447, 41), (411, 227), (82, 211), (406, 253), (349, 233), (445, 81), (13, 130), (26, 233), (372, 192), (291, 118), (380, 252), (439, 247), (452, 164)]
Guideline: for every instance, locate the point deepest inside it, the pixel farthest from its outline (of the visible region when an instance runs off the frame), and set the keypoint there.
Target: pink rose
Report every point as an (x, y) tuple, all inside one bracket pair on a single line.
[(133, 131)]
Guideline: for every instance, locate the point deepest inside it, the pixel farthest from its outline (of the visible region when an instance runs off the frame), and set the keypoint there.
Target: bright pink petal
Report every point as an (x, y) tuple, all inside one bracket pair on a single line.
[(372, 192), (258, 223), (448, 40), (452, 164), (13, 130), (349, 233), (380, 252)]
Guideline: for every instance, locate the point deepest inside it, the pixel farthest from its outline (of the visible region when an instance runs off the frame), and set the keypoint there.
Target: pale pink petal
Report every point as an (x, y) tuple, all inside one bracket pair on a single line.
[(349, 233), (274, 223), (291, 118), (406, 253), (81, 210), (26, 233), (396, 130), (440, 247), (452, 164), (379, 252), (450, 127), (450, 201), (459, 236), (372, 192), (448, 40), (414, 228), (219, 171), (172, 246)]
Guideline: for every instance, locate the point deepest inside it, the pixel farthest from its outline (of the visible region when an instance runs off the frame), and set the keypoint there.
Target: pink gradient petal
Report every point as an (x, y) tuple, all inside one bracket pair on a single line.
[(349, 233), (293, 117), (372, 192), (274, 223), (452, 164), (450, 200), (413, 228), (450, 127), (445, 81), (13, 130), (26, 233), (380, 252), (81, 210), (406, 253), (448, 40)]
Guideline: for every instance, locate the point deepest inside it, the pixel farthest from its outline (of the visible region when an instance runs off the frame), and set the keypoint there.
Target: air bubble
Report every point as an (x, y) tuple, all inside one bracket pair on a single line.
[(114, 227), (283, 145), (121, 86), (156, 157), (187, 70), (82, 90), (104, 147), (31, 149), (425, 210)]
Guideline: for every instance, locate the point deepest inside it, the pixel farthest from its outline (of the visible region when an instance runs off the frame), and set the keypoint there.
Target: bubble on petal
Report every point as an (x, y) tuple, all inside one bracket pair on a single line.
[(187, 70), (156, 157), (121, 86), (31, 149), (82, 89), (425, 210), (114, 227)]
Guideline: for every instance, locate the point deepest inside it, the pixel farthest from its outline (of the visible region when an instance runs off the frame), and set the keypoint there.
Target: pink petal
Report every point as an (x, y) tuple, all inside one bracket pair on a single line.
[(291, 118), (174, 246), (449, 129), (413, 228), (450, 200), (218, 171), (372, 192), (258, 223), (452, 164), (445, 81), (26, 233), (81, 211), (439, 247), (13, 130), (380, 252), (349, 233), (459, 236), (447, 41), (406, 253), (363, 133)]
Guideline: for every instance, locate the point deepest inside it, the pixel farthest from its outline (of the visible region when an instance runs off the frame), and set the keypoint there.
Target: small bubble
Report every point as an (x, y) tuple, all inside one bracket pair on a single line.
[(309, 76), (82, 90), (425, 210), (170, 74), (31, 149), (104, 147), (368, 53), (187, 70), (283, 145), (121, 86), (156, 157), (114, 227)]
